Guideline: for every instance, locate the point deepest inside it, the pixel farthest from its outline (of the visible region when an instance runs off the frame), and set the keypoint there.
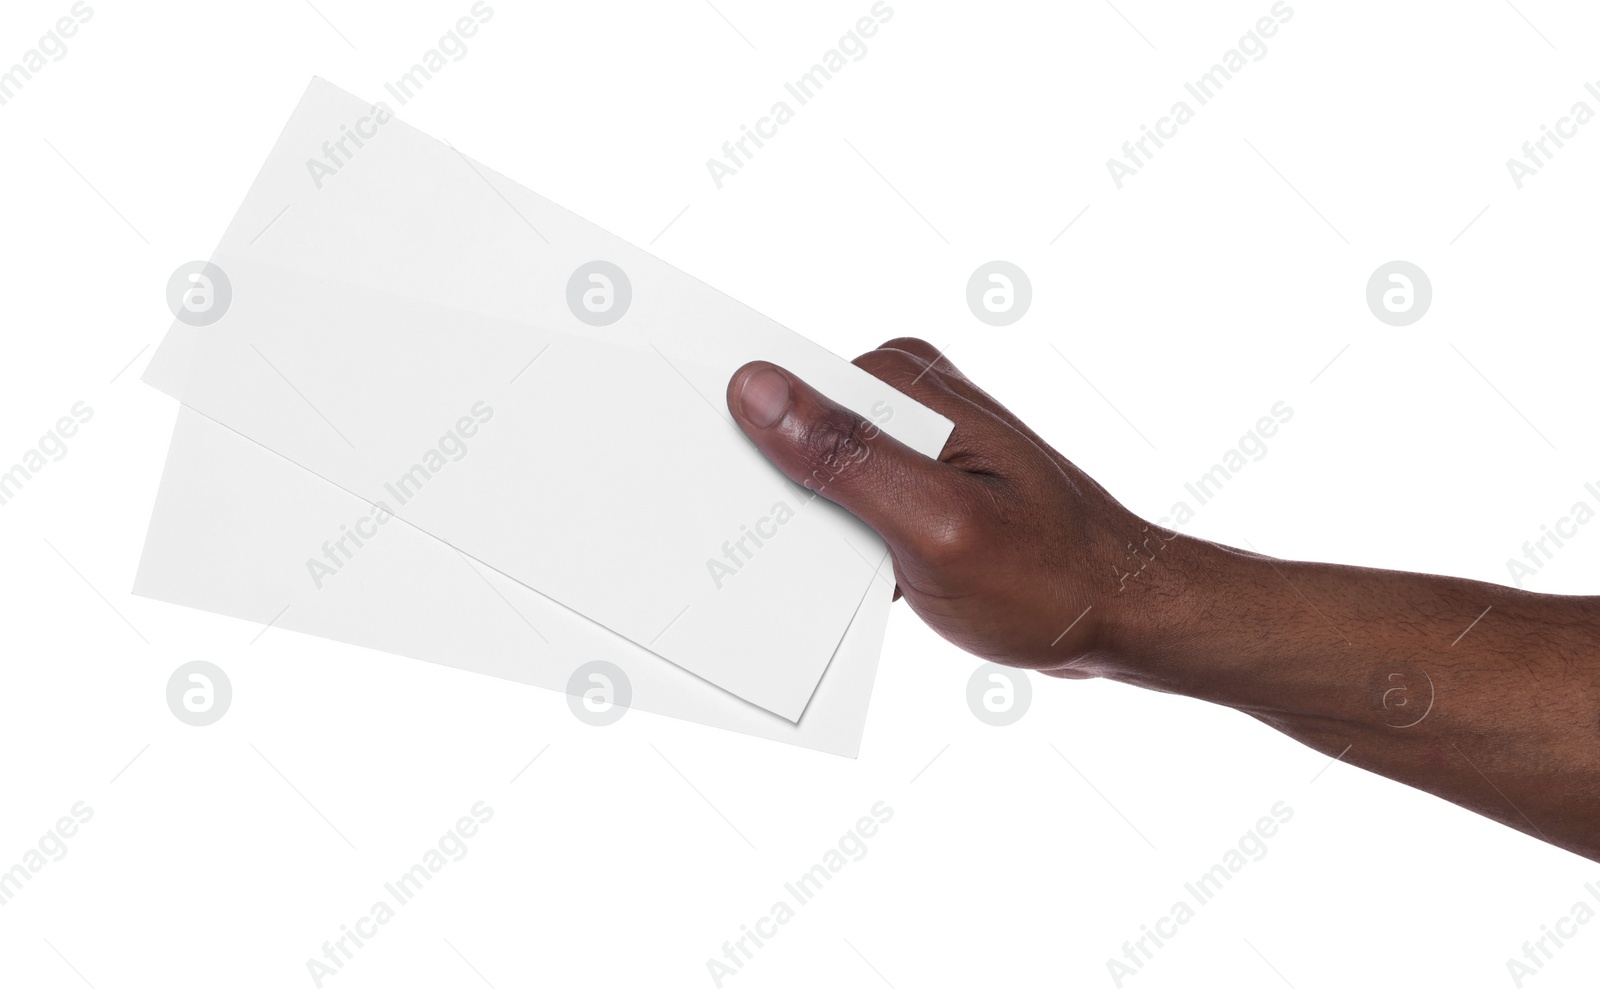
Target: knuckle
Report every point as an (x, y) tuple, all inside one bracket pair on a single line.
[(914, 346), (954, 538), (834, 442)]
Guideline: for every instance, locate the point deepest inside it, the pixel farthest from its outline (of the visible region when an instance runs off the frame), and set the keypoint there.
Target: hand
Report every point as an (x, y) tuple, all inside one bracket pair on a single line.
[(1010, 552), (1001, 545)]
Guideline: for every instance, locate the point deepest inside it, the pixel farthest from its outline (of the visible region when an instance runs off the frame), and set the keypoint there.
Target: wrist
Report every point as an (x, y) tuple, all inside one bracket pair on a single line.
[(1167, 595)]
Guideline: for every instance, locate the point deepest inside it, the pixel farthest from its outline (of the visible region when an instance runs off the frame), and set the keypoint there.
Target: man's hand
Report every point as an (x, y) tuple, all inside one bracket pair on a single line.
[(1001, 545), (1485, 695)]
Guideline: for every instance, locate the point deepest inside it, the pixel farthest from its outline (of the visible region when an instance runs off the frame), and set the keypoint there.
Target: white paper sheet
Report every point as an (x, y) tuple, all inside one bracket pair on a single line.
[(235, 525), (414, 287)]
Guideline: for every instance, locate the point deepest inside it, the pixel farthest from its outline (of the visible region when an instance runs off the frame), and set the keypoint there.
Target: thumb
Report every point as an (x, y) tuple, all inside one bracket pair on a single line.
[(836, 453)]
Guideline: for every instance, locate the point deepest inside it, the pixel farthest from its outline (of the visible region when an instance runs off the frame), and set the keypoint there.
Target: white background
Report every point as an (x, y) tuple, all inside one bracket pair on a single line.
[(1222, 279)]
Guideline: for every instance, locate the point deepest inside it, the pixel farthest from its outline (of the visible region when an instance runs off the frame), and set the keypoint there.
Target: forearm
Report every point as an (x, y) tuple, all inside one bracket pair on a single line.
[(1484, 695)]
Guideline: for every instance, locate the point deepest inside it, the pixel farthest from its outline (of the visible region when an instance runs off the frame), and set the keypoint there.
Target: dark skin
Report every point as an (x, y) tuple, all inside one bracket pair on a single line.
[(1009, 551)]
